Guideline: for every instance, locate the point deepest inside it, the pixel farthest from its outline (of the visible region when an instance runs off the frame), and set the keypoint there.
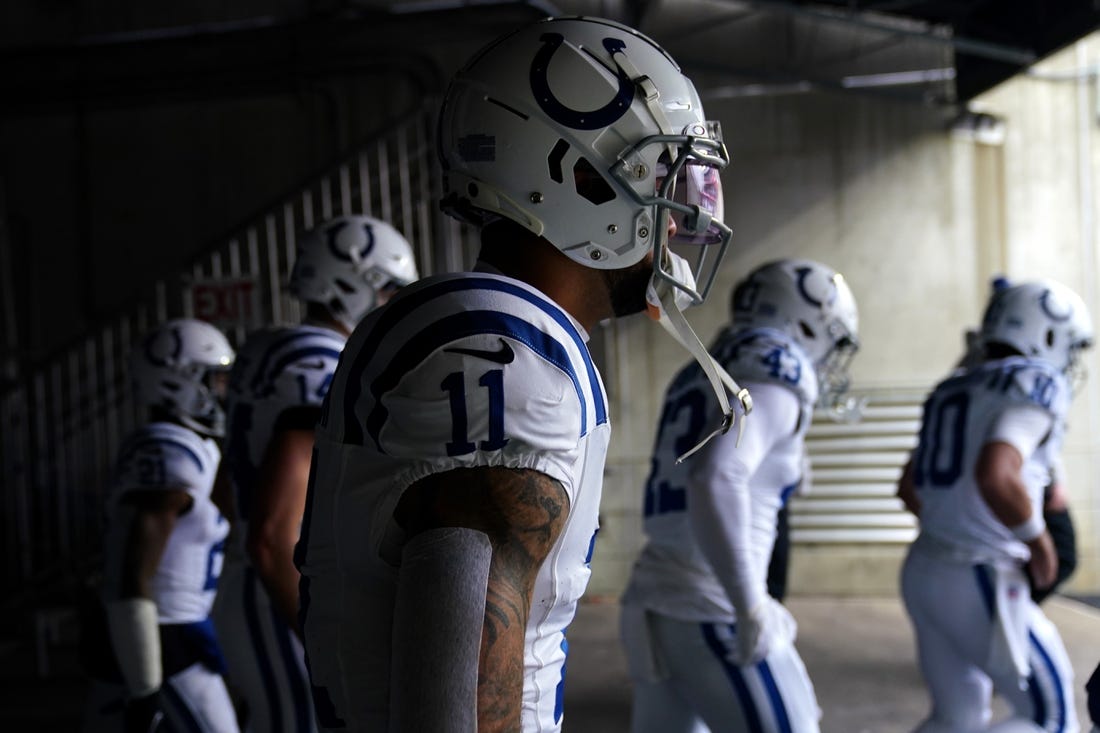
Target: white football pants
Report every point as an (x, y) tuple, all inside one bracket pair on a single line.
[(684, 681), (951, 605)]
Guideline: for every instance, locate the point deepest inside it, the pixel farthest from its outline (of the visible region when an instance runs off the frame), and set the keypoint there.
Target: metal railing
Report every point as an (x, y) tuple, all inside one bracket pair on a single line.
[(61, 426)]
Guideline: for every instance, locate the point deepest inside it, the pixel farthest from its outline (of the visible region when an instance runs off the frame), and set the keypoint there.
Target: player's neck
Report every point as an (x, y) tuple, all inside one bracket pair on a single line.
[(581, 291), (320, 317)]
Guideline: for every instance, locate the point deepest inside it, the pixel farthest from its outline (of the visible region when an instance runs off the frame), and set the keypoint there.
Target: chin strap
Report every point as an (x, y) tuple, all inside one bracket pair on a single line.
[(665, 309)]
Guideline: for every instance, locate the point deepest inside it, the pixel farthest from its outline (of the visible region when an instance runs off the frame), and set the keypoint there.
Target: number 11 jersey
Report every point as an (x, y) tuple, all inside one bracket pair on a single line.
[(458, 371)]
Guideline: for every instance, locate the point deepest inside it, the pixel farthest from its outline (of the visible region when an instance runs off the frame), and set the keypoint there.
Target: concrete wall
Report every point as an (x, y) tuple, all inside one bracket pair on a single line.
[(1051, 163), (918, 218)]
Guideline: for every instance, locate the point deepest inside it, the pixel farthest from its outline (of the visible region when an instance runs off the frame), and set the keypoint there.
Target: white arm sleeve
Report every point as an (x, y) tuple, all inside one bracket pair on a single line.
[(1023, 427), (719, 504)]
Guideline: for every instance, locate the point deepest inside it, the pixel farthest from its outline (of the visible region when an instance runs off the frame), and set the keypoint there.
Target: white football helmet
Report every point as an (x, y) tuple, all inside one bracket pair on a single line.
[(811, 303), (1041, 319), (585, 132), (344, 262), (181, 368)]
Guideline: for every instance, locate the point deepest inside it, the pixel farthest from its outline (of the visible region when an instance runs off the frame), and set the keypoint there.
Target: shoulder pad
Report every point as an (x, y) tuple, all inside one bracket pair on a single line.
[(164, 456), (1027, 382), (293, 366)]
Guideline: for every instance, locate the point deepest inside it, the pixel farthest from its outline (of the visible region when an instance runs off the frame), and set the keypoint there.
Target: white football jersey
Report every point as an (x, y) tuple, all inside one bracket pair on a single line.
[(460, 370), (164, 456), (672, 575), (958, 420), (276, 372)]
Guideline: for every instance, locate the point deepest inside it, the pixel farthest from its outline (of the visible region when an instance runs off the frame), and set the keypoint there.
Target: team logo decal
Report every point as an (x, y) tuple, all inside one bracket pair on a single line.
[(352, 255), (803, 274), (578, 119), (1045, 302), (164, 348)]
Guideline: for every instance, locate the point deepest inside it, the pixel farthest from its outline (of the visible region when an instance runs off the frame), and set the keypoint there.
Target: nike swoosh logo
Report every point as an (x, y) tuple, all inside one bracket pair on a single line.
[(503, 355)]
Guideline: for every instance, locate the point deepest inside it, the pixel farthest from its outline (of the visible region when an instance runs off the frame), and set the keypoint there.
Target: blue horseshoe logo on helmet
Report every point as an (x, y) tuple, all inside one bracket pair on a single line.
[(346, 257), (160, 356), (1044, 301), (578, 120), (803, 273)]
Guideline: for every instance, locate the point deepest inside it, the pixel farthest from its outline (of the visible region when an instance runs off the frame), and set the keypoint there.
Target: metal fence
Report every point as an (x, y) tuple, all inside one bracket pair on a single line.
[(61, 426)]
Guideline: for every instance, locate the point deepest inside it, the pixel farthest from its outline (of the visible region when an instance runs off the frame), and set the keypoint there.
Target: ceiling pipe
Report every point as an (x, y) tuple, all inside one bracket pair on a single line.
[(904, 27)]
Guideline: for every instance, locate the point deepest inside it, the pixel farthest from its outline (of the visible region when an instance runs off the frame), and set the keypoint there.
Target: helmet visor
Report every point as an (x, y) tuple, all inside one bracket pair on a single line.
[(697, 188), (687, 193)]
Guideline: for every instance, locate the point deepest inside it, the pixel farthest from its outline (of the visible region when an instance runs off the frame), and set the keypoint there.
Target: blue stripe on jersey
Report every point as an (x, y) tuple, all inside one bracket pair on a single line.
[(559, 694), (264, 386), (748, 705), (272, 350), (255, 635), (460, 325), (1037, 695), (181, 712), (786, 491), (408, 301), (152, 440), (780, 710)]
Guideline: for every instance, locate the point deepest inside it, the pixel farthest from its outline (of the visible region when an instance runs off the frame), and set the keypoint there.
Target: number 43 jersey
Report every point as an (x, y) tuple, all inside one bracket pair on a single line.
[(164, 456), (672, 575), (960, 417), (460, 370)]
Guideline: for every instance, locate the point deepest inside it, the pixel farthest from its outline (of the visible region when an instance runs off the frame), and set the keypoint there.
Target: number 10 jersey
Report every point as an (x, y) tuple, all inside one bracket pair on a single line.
[(960, 417)]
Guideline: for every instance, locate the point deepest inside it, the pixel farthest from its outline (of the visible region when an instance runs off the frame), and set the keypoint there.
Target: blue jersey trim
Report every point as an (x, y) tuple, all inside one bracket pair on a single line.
[(559, 693), (409, 301), (270, 353), (459, 326), (152, 440), (288, 359)]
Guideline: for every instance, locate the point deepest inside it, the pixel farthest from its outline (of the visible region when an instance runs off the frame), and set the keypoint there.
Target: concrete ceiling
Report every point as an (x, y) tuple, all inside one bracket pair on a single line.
[(940, 52)]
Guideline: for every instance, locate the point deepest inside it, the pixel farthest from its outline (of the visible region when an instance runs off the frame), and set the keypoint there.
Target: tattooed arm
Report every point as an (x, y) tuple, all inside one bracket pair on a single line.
[(522, 512)]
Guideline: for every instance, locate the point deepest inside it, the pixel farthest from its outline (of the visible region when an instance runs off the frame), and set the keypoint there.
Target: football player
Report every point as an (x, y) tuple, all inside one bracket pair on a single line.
[(708, 647), (453, 503), (990, 438), (1056, 512), (344, 268), (164, 544)]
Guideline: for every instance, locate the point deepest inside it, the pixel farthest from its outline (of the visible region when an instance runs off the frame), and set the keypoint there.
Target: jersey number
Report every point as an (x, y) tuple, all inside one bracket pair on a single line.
[(661, 496), (455, 385), (304, 392), (783, 366), (940, 461)]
